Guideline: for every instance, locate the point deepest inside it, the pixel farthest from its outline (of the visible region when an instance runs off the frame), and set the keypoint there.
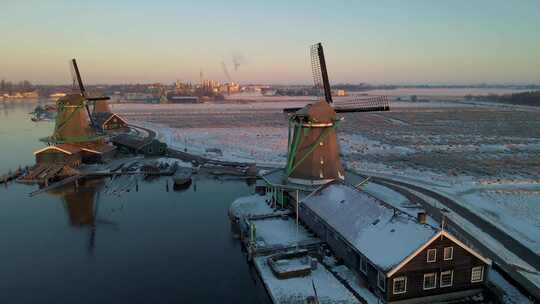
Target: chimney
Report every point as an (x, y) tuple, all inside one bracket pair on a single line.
[(422, 217)]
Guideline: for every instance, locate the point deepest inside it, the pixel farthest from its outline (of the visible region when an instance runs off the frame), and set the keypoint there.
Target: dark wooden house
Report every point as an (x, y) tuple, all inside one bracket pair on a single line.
[(106, 121), (400, 256), (136, 145)]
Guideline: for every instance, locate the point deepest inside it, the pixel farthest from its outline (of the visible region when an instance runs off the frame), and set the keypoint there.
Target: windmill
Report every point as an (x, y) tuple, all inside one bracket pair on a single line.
[(313, 148), (74, 122)]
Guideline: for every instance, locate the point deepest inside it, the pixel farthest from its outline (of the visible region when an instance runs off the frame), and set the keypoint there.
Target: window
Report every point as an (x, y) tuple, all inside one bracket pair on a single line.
[(363, 264), (400, 285), (447, 278), (381, 280), (477, 274), (430, 281), (431, 255), (448, 253)]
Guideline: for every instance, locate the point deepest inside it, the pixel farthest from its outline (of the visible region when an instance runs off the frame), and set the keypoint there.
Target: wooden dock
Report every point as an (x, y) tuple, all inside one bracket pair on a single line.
[(4, 179), (65, 181)]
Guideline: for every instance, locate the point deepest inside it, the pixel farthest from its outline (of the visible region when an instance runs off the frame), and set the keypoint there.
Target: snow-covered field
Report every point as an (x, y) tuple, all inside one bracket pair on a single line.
[(515, 211), (484, 155)]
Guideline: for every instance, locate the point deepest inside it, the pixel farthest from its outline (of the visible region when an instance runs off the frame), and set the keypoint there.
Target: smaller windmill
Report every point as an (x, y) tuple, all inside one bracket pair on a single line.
[(74, 122), (313, 148)]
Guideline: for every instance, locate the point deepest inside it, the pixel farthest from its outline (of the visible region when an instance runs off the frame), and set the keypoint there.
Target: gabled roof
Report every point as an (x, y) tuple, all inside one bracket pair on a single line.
[(442, 233), (117, 117), (387, 237), (64, 148), (101, 118)]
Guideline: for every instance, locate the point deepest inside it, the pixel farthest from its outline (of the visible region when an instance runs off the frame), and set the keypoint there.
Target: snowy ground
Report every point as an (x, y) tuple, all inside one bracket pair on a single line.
[(484, 155), (520, 266), (514, 211), (512, 295)]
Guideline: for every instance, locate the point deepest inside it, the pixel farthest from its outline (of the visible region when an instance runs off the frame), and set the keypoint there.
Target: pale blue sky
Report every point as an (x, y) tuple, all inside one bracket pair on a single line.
[(365, 41)]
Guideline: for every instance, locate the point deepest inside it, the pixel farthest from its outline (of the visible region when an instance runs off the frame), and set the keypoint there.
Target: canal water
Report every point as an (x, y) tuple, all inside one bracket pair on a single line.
[(93, 245)]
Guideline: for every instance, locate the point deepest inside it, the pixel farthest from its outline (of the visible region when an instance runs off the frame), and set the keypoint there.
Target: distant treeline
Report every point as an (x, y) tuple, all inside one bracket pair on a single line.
[(368, 87), (531, 98)]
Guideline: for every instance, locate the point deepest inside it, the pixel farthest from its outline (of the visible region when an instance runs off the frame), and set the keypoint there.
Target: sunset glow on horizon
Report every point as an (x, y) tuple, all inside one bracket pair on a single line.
[(161, 41)]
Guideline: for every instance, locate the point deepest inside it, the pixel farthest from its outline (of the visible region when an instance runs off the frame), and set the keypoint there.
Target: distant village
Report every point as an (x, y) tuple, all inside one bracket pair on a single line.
[(213, 90), (177, 92)]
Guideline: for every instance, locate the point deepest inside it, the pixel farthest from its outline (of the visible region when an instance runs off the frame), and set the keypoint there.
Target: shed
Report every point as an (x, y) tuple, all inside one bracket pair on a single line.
[(107, 121), (60, 153), (134, 144)]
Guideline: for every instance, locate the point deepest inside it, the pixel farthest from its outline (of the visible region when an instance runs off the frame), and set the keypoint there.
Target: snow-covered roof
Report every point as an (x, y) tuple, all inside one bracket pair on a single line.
[(277, 231), (381, 233), (296, 290), (249, 206)]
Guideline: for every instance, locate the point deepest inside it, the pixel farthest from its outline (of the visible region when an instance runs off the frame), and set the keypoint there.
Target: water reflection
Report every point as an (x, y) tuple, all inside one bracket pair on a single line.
[(163, 247), (82, 208)]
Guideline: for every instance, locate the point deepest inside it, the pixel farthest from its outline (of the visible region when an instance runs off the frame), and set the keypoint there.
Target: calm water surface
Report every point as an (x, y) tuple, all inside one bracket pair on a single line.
[(91, 246)]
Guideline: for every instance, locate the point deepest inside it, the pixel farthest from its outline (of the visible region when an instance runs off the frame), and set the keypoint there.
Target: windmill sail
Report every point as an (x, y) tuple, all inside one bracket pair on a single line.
[(320, 73), (78, 76), (322, 83), (313, 148), (363, 104)]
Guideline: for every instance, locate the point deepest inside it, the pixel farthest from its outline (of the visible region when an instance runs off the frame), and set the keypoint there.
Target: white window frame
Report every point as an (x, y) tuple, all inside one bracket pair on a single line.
[(379, 276), (363, 264), (435, 256), (441, 284), (394, 285), (451, 250), (426, 275), (481, 268)]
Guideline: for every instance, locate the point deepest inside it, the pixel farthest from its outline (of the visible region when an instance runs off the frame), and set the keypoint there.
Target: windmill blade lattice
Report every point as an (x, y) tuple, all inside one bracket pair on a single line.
[(363, 104), (316, 69)]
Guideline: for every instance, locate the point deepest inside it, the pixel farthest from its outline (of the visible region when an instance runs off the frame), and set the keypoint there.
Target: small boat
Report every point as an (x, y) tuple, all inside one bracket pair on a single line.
[(182, 179)]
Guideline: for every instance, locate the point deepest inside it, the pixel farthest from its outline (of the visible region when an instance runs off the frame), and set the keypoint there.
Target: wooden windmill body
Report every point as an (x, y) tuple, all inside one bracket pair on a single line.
[(72, 122), (313, 148)]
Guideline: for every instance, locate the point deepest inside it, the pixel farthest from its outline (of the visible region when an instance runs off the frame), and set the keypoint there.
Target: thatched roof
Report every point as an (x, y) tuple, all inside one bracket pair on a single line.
[(319, 112), (102, 106)]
